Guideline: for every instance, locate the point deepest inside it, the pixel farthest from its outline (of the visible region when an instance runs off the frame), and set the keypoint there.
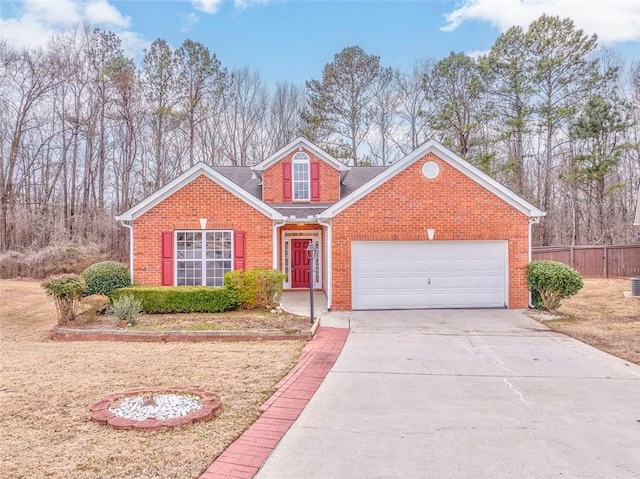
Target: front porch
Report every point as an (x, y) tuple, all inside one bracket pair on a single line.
[(298, 302)]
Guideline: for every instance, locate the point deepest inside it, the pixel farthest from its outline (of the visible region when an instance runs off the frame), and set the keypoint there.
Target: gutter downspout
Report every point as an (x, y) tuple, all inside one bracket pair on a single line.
[(329, 272), (130, 227), (532, 221), (276, 242)]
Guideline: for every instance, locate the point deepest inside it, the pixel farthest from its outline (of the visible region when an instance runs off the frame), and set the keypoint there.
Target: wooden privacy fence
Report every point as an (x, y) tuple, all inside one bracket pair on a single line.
[(595, 261)]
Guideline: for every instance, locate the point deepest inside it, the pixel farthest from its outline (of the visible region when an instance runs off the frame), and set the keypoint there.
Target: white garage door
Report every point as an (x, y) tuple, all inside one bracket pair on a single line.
[(428, 274)]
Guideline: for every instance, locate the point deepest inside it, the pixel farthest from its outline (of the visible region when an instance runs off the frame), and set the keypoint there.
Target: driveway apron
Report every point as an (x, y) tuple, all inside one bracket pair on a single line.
[(465, 394)]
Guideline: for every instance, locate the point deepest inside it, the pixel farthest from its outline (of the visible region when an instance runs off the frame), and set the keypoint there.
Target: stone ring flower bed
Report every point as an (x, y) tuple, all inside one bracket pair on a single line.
[(151, 409)]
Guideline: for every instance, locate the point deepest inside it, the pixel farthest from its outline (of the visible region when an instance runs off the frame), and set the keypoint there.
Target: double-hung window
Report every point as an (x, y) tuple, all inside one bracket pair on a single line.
[(203, 257), (301, 176)]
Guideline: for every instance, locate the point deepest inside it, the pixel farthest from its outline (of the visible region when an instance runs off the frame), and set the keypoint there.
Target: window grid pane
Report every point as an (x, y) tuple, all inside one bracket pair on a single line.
[(301, 180), (203, 259)]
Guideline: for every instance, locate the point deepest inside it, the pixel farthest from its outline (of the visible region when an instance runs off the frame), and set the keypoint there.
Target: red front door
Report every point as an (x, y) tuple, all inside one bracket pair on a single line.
[(299, 263)]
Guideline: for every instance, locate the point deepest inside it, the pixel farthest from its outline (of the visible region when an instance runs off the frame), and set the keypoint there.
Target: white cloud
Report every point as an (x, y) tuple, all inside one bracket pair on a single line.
[(25, 32), (244, 4), (35, 21), (206, 6), (612, 20), (133, 44), (188, 21), (102, 12), (477, 53), (61, 12)]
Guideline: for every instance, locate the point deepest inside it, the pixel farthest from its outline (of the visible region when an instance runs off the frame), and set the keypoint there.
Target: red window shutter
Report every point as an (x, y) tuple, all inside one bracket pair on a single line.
[(167, 258), (239, 250), (286, 181), (315, 181)]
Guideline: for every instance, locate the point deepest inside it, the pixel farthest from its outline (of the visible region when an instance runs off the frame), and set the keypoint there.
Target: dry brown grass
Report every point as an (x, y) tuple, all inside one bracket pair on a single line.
[(601, 316), (47, 386)]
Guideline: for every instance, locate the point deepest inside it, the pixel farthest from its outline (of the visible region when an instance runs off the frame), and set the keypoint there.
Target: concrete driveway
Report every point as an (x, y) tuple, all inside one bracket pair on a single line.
[(465, 394)]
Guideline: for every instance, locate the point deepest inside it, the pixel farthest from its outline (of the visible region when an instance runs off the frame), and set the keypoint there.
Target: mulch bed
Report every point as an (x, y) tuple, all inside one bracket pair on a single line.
[(230, 321)]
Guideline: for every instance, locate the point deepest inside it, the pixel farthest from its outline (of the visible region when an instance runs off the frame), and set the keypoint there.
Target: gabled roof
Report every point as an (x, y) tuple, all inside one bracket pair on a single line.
[(452, 159), (242, 176), (637, 220), (358, 176), (297, 143), (186, 178)]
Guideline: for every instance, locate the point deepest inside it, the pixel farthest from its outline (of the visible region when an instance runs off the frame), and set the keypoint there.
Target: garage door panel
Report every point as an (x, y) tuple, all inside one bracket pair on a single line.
[(434, 274)]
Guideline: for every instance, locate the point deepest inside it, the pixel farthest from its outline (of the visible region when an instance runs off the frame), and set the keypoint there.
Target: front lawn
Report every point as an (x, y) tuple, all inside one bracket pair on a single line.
[(601, 316), (46, 388)]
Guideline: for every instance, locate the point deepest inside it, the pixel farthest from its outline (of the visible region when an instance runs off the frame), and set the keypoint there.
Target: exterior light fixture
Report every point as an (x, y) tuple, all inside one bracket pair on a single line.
[(431, 233), (203, 223), (312, 254)]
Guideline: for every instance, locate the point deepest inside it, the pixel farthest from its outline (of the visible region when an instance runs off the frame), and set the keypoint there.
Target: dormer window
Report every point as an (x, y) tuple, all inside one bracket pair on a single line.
[(301, 176)]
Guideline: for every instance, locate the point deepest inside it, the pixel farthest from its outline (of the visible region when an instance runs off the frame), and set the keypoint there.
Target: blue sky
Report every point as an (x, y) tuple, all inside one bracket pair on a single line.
[(293, 39)]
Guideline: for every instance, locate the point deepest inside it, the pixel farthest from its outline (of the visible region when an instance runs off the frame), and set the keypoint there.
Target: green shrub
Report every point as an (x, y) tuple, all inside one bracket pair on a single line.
[(257, 288), (106, 277), (182, 299), (66, 290), (551, 281), (126, 308)]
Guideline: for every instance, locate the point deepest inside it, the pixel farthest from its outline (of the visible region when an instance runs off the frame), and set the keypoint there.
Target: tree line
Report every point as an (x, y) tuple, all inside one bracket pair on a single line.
[(85, 133)]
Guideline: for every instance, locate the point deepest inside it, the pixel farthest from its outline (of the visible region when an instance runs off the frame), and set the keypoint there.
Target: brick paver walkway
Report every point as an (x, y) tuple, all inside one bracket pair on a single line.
[(246, 455)]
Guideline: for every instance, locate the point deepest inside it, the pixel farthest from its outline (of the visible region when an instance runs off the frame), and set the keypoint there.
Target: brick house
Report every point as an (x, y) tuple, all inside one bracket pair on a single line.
[(430, 231)]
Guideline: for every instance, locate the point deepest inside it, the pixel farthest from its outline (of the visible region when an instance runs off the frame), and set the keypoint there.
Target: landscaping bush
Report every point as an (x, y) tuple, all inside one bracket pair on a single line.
[(106, 277), (182, 299), (66, 289), (257, 288), (551, 281), (126, 308)]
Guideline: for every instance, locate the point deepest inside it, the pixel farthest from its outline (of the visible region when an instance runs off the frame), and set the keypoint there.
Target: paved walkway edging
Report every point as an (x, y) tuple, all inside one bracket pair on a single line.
[(243, 458)]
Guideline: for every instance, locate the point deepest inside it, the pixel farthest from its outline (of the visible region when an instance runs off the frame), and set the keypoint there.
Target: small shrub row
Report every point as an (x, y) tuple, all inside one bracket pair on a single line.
[(257, 288), (550, 282), (182, 299)]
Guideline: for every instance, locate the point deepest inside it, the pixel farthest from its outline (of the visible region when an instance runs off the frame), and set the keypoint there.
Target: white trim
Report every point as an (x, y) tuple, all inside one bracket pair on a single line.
[(329, 274), (297, 143), (447, 156), (130, 227), (285, 267), (203, 259), (186, 178), (276, 244)]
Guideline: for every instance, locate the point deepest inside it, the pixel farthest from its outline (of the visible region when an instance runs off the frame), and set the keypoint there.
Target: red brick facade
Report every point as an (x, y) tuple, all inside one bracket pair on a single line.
[(273, 187), (401, 208), (453, 204), (202, 198)]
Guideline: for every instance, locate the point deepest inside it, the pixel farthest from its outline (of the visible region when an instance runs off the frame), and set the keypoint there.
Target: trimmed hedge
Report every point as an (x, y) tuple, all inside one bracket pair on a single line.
[(551, 281), (182, 299), (105, 277), (256, 288)]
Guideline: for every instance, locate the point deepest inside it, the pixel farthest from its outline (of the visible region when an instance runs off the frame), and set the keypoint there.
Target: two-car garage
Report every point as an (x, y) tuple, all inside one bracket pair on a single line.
[(429, 274)]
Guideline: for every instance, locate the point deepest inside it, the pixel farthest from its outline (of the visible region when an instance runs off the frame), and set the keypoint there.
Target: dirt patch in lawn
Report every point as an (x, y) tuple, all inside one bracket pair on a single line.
[(251, 320), (601, 316), (46, 388)]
